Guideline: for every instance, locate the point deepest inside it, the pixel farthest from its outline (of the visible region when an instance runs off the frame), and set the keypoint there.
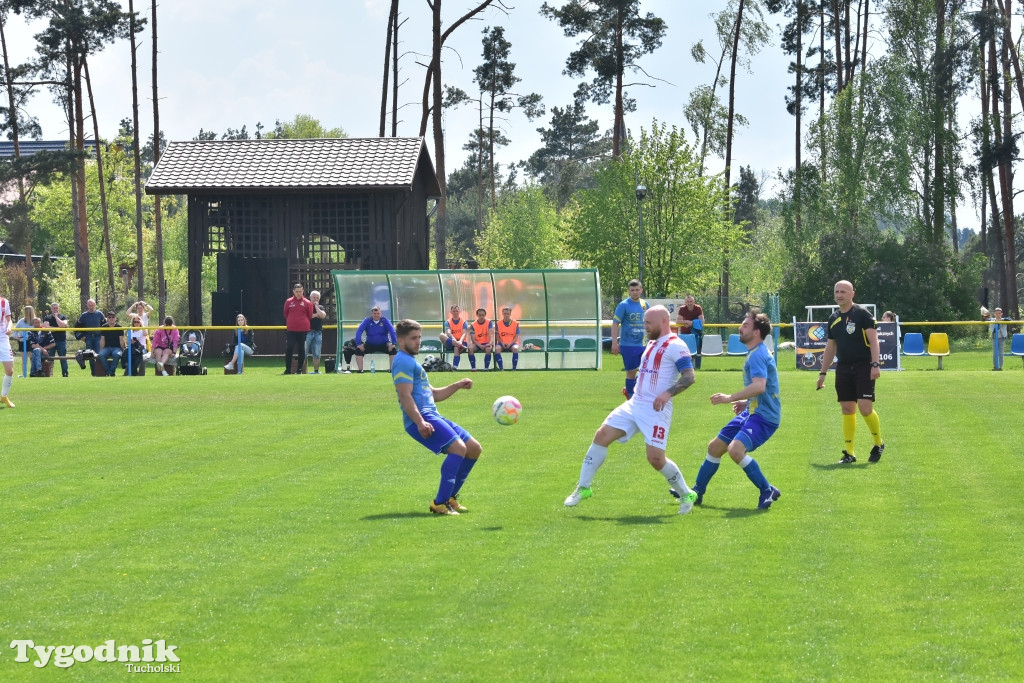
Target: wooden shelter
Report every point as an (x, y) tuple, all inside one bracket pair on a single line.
[(276, 212)]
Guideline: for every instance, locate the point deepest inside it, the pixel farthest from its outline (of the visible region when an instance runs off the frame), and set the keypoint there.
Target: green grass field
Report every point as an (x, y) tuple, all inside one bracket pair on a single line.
[(276, 528)]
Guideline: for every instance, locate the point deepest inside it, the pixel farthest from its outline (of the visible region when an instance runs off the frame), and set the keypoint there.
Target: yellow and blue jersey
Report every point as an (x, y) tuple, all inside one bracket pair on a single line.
[(761, 363), (629, 315), (405, 370)]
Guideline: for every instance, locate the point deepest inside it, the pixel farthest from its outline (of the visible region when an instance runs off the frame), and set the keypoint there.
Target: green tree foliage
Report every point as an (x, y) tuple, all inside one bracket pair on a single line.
[(614, 36), (303, 127), (570, 153), (684, 232), (521, 232)]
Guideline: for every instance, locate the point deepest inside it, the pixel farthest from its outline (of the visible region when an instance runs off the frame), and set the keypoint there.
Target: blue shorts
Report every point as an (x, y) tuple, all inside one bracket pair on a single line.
[(750, 430), (631, 356), (450, 346), (445, 432)]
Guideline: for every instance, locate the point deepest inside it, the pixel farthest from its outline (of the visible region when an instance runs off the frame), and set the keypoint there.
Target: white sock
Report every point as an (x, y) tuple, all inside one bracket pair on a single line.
[(595, 458), (8, 381), (674, 477)]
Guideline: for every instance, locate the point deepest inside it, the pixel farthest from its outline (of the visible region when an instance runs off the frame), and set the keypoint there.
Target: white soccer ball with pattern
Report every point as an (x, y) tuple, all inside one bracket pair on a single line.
[(506, 410)]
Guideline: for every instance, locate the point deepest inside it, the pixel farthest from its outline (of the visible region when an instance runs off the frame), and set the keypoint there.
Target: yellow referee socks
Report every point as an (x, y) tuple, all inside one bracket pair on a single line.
[(849, 431), (875, 426)]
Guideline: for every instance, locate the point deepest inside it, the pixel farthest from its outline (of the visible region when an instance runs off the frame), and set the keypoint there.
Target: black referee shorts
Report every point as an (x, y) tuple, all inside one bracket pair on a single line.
[(853, 382)]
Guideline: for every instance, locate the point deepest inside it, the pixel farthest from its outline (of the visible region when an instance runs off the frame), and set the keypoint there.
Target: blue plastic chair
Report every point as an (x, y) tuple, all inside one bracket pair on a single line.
[(913, 344), (736, 347), (1017, 346), (691, 342)]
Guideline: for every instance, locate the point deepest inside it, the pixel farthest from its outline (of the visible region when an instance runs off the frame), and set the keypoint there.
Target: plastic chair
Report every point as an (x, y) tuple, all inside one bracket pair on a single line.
[(736, 347), (538, 344), (691, 342), (558, 345), (711, 346), (1017, 346), (913, 344), (938, 345), (585, 344), (431, 346)]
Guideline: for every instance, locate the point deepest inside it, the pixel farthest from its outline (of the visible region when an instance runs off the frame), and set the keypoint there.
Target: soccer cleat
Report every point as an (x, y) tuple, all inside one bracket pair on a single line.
[(579, 494), (768, 497), (442, 509), (847, 458), (876, 453), (687, 502), (455, 505), (6, 401)]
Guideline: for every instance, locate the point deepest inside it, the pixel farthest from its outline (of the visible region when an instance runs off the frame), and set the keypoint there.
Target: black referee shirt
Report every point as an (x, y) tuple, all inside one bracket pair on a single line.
[(848, 331)]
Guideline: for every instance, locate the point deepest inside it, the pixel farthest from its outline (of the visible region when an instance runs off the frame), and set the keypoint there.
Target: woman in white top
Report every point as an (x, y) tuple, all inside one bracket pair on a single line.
[(137, 341), (141, 309)]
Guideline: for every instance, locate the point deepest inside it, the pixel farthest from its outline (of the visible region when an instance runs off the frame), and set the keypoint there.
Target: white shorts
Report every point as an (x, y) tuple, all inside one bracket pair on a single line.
[(5, 350), (633, 417)]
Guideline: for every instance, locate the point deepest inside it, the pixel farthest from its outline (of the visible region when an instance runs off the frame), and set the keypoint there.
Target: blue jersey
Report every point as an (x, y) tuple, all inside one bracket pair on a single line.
[(629, 315), (761, 363), (405, 370)]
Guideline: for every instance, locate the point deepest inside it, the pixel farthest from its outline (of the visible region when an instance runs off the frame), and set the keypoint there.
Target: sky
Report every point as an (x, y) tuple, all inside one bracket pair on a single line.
[(228, 63)]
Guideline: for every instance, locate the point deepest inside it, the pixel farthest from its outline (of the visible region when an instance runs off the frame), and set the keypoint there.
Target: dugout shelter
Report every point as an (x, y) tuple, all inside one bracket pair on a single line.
[(559, 311)]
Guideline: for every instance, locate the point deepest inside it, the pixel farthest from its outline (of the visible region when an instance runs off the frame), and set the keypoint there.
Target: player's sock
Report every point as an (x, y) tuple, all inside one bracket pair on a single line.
[(706, 471), (472, 360), (595, 458), (464, 468), (515, 360), (849, 431), (875, 427), (498, 362), (674, 477), (8, 381), (449, 477), (754, 474), (630, 385), (455, 364), (487, 362)]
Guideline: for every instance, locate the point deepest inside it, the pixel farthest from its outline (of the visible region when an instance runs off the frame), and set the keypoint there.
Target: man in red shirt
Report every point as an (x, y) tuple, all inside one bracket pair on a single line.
[(298, 311), (690, 318)]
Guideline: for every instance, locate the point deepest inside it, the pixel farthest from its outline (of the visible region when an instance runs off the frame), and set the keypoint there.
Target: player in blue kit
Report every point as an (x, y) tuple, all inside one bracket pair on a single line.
[(758, 412), (629, 318), (424, 424)]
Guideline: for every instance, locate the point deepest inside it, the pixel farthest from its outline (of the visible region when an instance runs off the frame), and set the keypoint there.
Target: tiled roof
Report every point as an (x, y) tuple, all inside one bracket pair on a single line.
[(337, 163), (30, 147)]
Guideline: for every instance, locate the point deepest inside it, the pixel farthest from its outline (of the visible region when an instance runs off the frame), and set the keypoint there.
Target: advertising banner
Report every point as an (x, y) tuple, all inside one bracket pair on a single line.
[(811, 339)]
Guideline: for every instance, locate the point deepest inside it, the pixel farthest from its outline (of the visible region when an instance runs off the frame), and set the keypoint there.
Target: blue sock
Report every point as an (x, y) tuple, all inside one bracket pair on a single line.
[(472, 360), (704, 474), (753, 472), (630, 384), (515, 360), (487, 362), (449, 476), (498, 361), (455, 363), (464, 468)]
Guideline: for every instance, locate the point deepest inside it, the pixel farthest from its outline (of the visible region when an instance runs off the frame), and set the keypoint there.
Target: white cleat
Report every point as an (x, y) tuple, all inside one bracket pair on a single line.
[(578, 495)]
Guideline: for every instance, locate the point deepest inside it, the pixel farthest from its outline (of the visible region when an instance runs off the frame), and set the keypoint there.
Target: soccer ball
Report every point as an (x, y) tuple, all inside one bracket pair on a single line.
[(506, 410)]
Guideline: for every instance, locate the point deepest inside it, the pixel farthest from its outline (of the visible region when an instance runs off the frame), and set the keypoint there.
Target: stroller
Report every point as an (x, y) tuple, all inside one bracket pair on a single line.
[(190, 353)]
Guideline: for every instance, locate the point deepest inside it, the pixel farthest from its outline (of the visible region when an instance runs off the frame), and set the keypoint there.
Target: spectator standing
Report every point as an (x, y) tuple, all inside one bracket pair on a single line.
[(315, 337), (91, 317), (24, 322), (690, 319), (112, 344), (58, 323), (380, 338), (998, 333), (141, 309), (298, 312), (6, 356)]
